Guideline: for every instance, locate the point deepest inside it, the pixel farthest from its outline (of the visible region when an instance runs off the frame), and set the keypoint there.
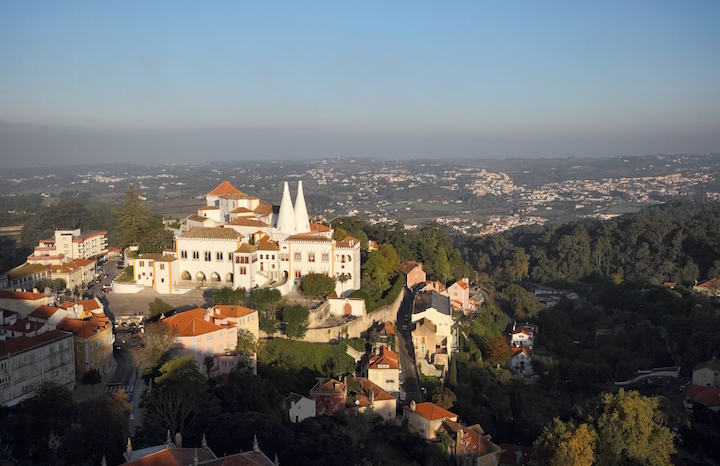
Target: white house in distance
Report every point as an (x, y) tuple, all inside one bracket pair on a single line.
[(521, 361), (299, 407), (523, 335), (459, 293), (382, 369), (436, 308), (68, 245), (707, 373), (156, 270)]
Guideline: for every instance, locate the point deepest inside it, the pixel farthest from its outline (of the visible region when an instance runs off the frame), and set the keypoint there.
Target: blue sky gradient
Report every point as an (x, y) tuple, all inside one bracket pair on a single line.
[(374, 79)]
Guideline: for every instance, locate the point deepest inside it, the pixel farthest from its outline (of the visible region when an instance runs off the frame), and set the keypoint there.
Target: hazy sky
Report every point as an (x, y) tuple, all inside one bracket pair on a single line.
[(164, 81)]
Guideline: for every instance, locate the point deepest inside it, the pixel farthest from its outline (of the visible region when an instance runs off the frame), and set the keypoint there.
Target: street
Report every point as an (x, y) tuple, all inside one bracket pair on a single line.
[(411, 381)]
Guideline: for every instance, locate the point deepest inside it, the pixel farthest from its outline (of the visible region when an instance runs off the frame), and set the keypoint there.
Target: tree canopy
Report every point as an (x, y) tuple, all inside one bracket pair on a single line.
[(317, 285)]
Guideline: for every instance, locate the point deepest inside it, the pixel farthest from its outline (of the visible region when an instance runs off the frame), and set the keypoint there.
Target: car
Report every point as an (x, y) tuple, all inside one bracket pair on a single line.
[(107, 287), (407, 317), (404, 327), (118, 347)]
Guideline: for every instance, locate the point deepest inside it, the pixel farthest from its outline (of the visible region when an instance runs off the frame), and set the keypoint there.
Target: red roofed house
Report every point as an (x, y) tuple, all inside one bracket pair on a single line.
[(707, 374), (426, 418), (383, 369), (413, 272), (93, 337), (202, 333), (68, 271), (25, 276), (459, 293), (518, 455), (22, 302), (423, 338), (471, 447), (523, 335), (707, 396), (521, 360), (246, 320), (370, 395), (26, 362), (329, 396)]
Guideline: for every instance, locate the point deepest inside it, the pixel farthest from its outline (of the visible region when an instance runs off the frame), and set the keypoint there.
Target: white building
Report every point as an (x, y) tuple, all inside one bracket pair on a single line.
[(68, 245), (436, 308), (299, 407), (159, 271)]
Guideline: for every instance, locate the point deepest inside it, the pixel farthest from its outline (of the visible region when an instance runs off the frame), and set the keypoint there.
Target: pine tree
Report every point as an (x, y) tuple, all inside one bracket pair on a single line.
[(133, 219)]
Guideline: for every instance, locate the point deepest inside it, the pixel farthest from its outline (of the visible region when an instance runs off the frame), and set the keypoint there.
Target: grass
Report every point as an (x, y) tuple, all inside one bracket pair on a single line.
[(313, 356)]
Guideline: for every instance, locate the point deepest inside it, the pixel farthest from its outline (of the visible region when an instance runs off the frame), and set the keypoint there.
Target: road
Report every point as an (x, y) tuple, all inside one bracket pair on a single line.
[(411, 380)]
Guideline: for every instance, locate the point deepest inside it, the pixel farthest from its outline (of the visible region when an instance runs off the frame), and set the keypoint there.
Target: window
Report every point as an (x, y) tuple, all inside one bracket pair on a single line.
[(183, 254), (311, 257), (230, 257), (210, 338), (150, 263), (162, 280), (4, 379), (237, 260), (26, 357), (208, 256), (325, 257), (15, 362), (298, 274), (196, 255), (3, 366), (298, 256), (273, 257), (102, 342), (142, 263), (219, 256), (162, 266), (243, 270), (139, 277), (79, 348), (79, 362)]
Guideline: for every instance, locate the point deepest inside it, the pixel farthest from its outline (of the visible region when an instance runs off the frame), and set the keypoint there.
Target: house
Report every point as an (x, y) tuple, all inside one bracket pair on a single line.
[(156, 270), (382, 334), (93, 338), (68, 245), (521, 361), (245, 320), (707, 396), (518, 455), (299, 407), (329, 396), (383, 369), (27, 361), (459, 294), (426, 418), (436, 308), (430, 286), (372, 396), (174, 454), (523, 335), (22, 302), (471, 446), (202, 333), (710, 287), (72, 273), (423, 338), (707, 373), (413, 272)]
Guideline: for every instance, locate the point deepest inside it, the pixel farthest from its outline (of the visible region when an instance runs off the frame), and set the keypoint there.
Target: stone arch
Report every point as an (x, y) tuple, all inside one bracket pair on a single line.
[(185, 275), (229, 277), (200, 277), (214, 277), (347, 309)]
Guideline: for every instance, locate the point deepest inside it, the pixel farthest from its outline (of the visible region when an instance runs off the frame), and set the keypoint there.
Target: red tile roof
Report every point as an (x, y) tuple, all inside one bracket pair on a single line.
[(84, 328), (709, 396), (192, 323), (431, 411), (408, 266), (44, 312), (14, 345), (311, 238), (348, 242), (386, 357), (319, 228), (248, 222), (508, 453), (234, 311), (224, 189), (23, 295)]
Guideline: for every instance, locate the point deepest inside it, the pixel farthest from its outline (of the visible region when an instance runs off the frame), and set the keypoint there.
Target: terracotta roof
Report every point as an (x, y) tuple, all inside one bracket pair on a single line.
[(709, 396), (14, 345), (311, 238), (266, 209), (473, 437), (246, 248), (67, 267), (348, 242), (319, 228), (212, 233), (389, 328), (173, 457), (462, 284), (508, 453), (84, 328), (23, 326), (24, 295), (197, 218), (44, 312), (407, 266), (237, 196), (89, 234), (425, 322), (521, 349), (431, 411), (157, 257), (191, 323), (267, 246), (209, 207), (234, 311), (248, 222), (385, 357), (241, 210), (328, 386), (84, 262), (366, 387), (223, 189)]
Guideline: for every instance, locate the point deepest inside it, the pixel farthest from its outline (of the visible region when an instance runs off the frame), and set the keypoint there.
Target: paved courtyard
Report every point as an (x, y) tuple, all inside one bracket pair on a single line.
[(139, 303)]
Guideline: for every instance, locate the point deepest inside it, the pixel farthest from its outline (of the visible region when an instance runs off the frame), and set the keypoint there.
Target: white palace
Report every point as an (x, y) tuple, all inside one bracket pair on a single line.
[(238, 241)]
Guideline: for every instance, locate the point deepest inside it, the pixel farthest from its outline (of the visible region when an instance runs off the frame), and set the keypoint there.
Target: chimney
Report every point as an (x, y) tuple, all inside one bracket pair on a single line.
[(27, 326), (412, 406), (518, 457), (128, 448), (178, 440)]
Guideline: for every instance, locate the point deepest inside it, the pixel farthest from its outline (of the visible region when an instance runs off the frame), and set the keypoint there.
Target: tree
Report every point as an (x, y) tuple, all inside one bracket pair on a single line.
[(266, 300), (441, 266), (158, 308), (498, 351), (92, 378), (564, 443), (452, 375), (133, 219), (374, 275), (159, 340), (209, 363), (627, 432), (391, 258), (317, 284), (444, 397), (296, 321), (247, 348), (156, 241), (227, 295)]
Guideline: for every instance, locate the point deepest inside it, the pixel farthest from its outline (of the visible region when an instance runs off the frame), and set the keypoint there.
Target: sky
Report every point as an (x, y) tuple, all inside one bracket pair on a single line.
[(179, 81)]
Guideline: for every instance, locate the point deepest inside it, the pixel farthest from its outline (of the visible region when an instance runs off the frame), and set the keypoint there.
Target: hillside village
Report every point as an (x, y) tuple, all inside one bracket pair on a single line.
[(402, 374)]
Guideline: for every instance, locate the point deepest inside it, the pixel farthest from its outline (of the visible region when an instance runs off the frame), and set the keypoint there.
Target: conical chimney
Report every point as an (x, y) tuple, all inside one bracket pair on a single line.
[(301, 215), (286, 217)]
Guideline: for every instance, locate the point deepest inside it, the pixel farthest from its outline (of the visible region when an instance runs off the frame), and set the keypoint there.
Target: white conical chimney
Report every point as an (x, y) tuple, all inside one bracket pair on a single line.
[(286, 218), (301, 215)]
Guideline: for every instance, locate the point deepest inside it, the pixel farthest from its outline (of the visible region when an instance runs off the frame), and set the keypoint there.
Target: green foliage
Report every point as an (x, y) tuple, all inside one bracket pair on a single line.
[(92, 378), (498, 351), (444, 397), (134, 220), (564, 443), (265, 300), (391, 257), (158, 308), (156, 241), (230, 296), (158, 342), (441, 266), (56, 284), (268, 325), (369, 301), (317, 285), (452, 375), (374, 275), (523, 303), (313, 356), (296, 320)]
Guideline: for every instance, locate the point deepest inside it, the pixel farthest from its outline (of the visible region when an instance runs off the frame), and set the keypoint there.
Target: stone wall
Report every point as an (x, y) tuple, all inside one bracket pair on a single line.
[(352, 329)]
